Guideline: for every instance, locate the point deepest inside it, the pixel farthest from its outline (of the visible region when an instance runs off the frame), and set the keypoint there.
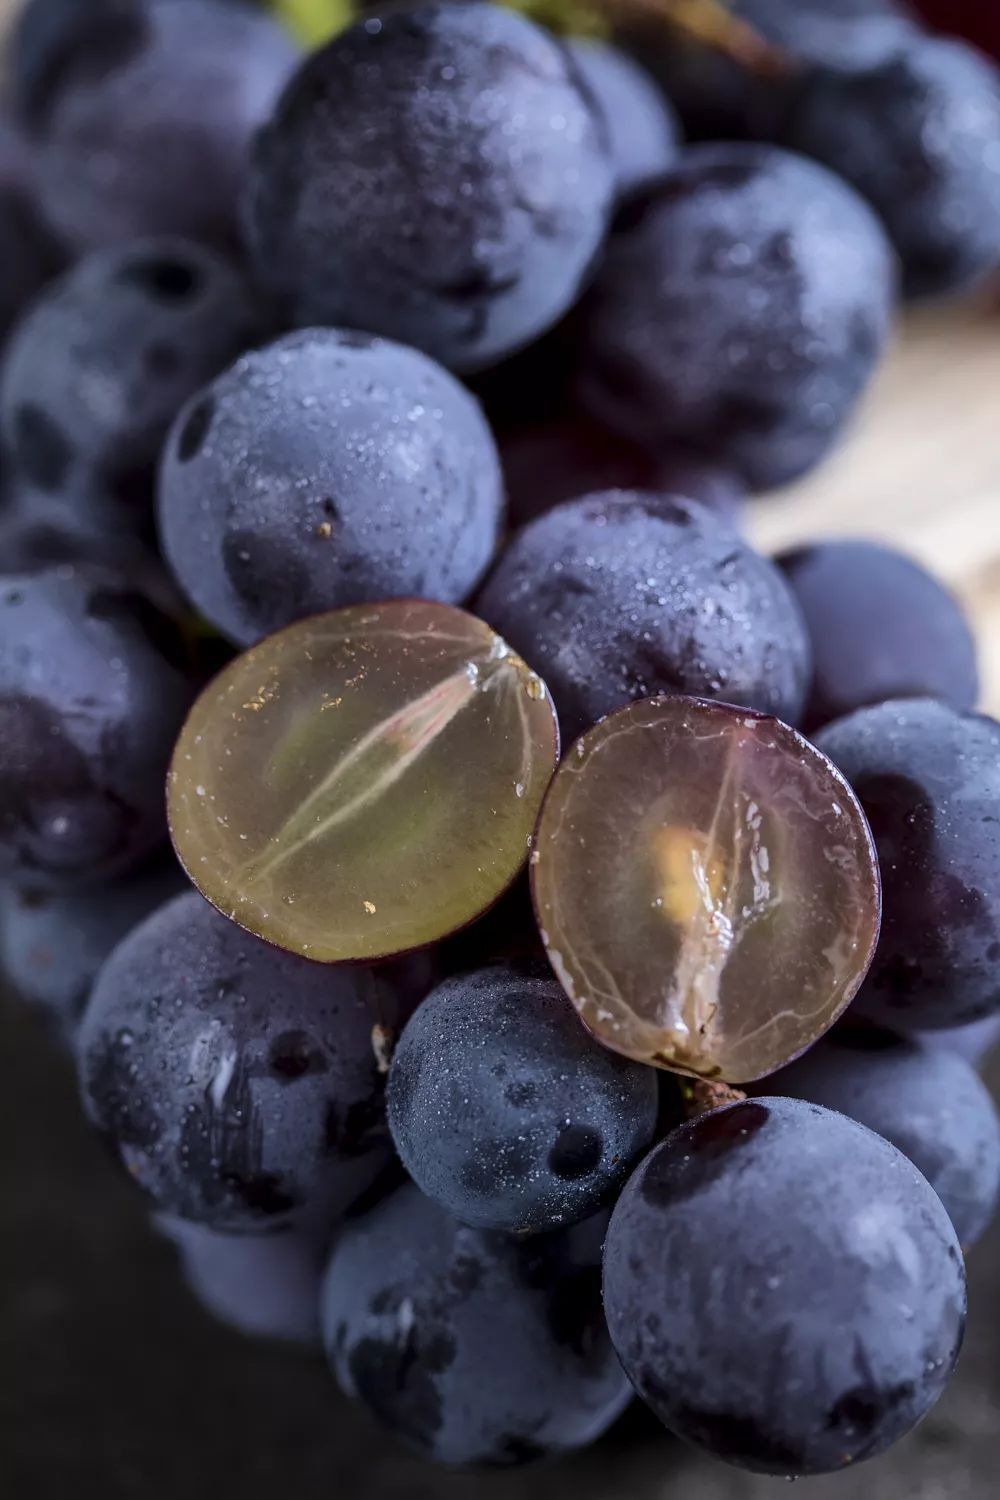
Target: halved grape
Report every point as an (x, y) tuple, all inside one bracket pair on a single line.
[(365, 781), (706, 886)]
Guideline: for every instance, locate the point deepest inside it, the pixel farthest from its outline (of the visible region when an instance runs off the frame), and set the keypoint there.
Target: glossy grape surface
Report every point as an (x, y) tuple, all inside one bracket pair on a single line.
[(783, 1287), (365, 781), (706, 886)]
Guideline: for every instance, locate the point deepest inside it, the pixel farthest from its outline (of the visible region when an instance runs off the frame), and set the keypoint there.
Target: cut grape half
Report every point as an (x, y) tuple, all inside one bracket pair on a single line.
[(363, 782), (706, 887)]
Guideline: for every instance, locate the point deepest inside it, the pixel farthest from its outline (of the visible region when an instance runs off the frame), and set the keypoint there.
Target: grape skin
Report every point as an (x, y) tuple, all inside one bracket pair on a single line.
[(473, 1347), (239, 1089), (624, 595), (931, 1105), (787, 1315), (928, 779), (880, 626), (643, 130), (741, 307), (264, 1286), (93, 690), (916, 134), (52, 944), (434, 174), (506, 1112), (326, 469), (145, 119), (97, 370)]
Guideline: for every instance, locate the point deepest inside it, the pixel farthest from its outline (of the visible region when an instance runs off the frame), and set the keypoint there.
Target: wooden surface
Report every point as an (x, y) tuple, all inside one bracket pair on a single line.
[(920, 466)]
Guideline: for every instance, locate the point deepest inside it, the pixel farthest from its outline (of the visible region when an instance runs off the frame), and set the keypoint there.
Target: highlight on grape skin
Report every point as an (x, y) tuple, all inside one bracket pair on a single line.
[(706, 887), (363, 782)]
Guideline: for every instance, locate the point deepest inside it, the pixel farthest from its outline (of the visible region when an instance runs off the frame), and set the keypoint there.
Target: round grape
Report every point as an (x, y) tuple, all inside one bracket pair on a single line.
[(916, 133), (145, 115), (52, 944), (506, 1112), (928, 779), (786, 1314), (93, 690), (741, 308), (624, 595), (266, 1286), (880, 627), (435, 174), (98, 369), (237, 1086), (642, 128), (329, 468), (930, 1104), (473, 1347)]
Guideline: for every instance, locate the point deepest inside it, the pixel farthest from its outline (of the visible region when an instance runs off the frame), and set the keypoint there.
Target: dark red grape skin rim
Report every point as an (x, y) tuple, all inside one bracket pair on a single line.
[(716, 705)]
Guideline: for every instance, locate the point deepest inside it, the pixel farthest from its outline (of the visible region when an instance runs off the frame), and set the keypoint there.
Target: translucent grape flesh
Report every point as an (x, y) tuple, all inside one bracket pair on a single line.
[(364, 782), (706, 887)]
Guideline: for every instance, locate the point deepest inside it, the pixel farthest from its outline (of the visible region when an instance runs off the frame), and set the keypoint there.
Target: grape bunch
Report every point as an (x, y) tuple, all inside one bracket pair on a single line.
[(512, 934)]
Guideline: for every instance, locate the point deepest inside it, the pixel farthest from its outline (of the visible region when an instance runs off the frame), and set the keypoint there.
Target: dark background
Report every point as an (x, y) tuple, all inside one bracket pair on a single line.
[(114, 1383)]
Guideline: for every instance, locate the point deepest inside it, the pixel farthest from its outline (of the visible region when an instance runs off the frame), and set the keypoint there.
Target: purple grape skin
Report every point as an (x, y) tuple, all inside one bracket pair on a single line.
[(239, 1088), (753, 1287), (145, 126), (721, 99), (881, 627), (741, 307), (28, 254), (547, 463), (928, 779), (98, 368), (643, 130), (974, 1042), (504, 1109), (475, 1348), (916, 133), (52, 944), (930, 1104), (93, 690), (435, 174), (608, 596), (326, 469), (265, 1286)]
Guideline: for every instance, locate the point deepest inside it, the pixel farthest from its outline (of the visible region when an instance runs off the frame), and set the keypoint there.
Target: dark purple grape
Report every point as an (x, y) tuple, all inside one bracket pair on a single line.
[(236, 1083), (506, 1112), (928, 779), (916, 133), (98, 369), (327, 469), (622, 596), (721, 99), (475, 1348), (784, 1288), (930, 1104), (881, 627), (28, 256), (53, 943), (434, 174), (266, 1286), (740, 309), (547, 463), (643, 131), (145, 115), (93, 689), (974, 1042)]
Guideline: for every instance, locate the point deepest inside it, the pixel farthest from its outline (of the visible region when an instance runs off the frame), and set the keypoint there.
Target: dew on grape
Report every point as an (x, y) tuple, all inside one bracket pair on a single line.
[(348, 789), (706, 886)]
